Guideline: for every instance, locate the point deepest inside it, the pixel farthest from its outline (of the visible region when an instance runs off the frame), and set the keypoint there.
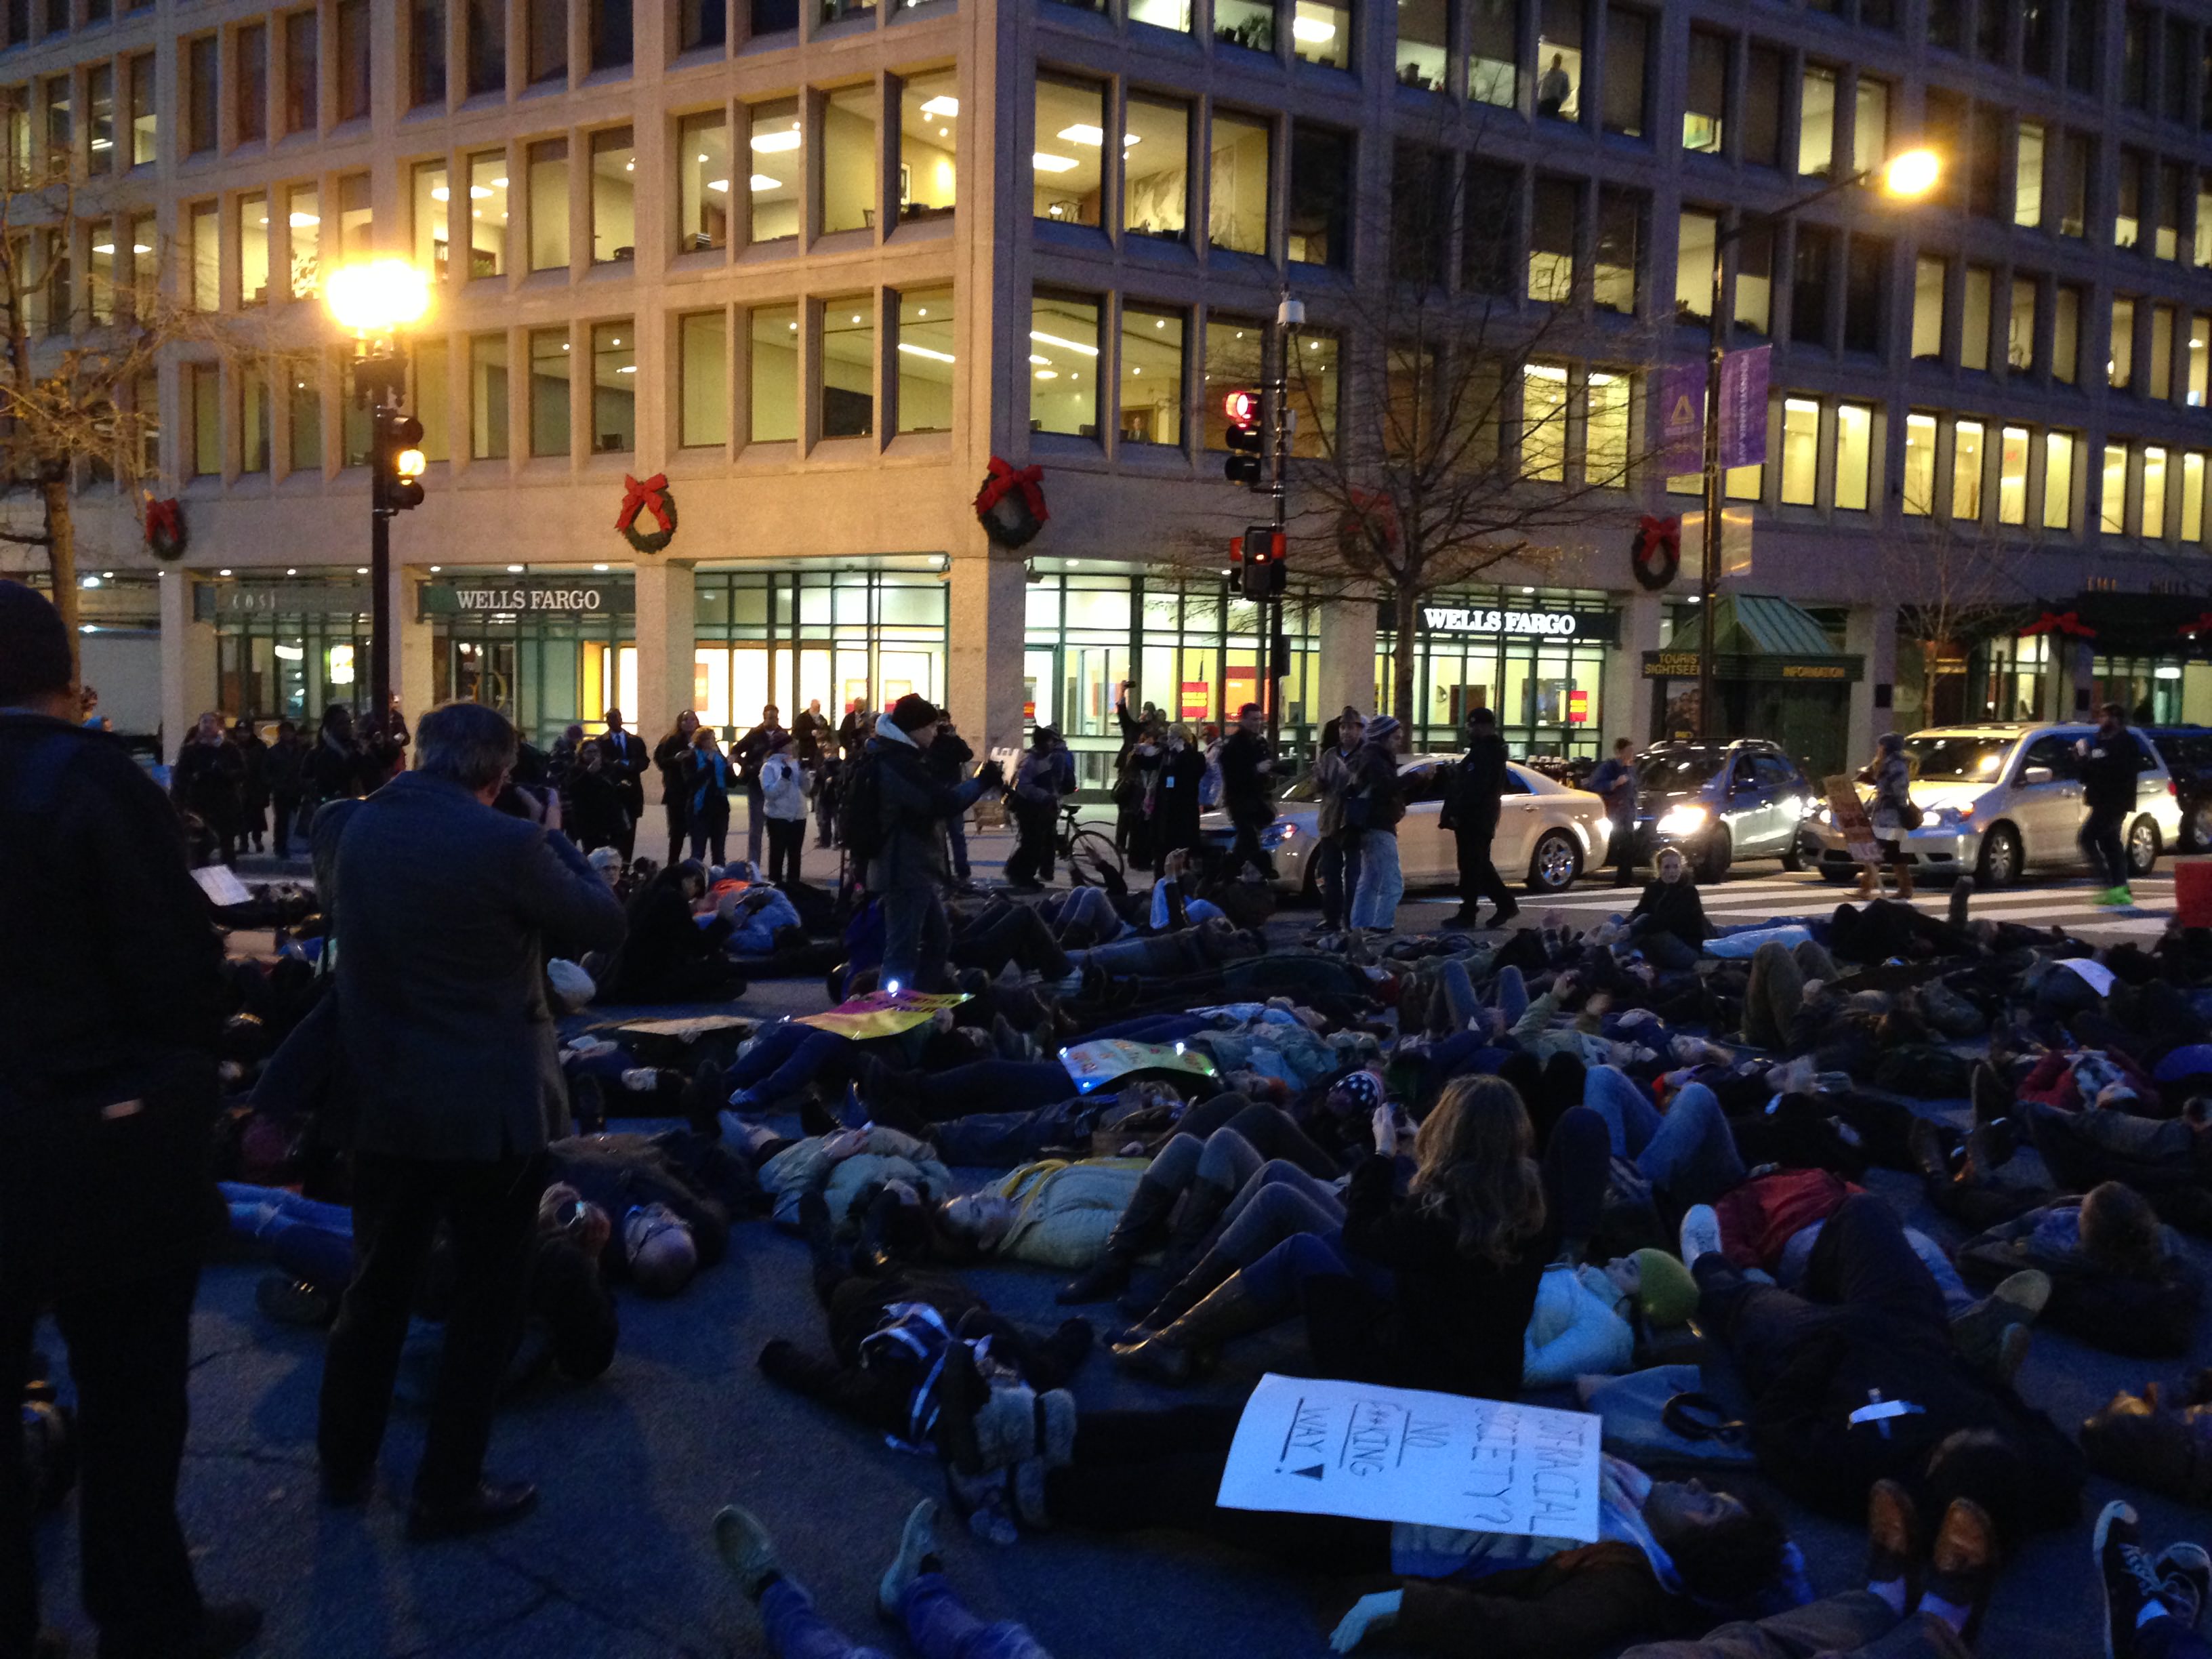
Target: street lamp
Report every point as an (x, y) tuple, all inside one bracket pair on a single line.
[(1905, 177), (373, 301)]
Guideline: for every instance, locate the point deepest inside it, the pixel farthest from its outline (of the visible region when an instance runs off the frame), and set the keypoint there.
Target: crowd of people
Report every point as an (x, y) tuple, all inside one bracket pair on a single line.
[(1625, 1169)]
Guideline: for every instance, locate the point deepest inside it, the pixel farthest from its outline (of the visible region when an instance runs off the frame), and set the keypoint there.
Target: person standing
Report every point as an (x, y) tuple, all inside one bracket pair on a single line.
[(1247, 791), (747, 753), (599, 806), (1034, 799), (1615, 782), (906, 865), (456, 1081), (1174, 804), (333, 767), (627, 760), (1473, 794), (949, 756), (1337, 874), (254, 784), (284, 770), (2112, 764), (1373, 807), (1554, 88), (783, 798), (1892, 812), (105, 1119), (707, 788), (813, 737), (670, 756), (208, 782)]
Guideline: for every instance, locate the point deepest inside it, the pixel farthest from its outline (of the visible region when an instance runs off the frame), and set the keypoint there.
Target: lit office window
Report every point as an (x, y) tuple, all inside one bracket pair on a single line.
[(1801, 451), (2058, 481), (2120, 363), (1543, 419), (1754, 279), (1155, 166), (1816, 122), (207, 257), (1919, 481), (550, 421), (1321, 34), (1064, 364), (1695, 236), (2154, 494), (1559, 60), (1552, 239), (547, 160), (848, 161), (614, 197), (773, 396), (2192, 498), (488, 197), (2027, 174), (1929, 276), (431, 399), (1853, 456), (2200, 350), (2012, 475), (614, 387), (1313, 379), (848, 366), (253, 249), (703, 376), (1966, 472), (1151, 411), (926, 359), (1704, 105), (777, 156), (1067, 164), (929, 144), (2112, 497), (1870, 124), (702, 181), (427, 197), (145, 124), (1424, 43), (2019, 325), (1605, 430), (1242, 182), (303, 225), (253, 424), (1492, 52)]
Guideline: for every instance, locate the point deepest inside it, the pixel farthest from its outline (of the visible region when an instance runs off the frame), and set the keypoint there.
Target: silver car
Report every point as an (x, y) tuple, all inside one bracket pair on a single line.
[(1547, 833), (2002, 799)]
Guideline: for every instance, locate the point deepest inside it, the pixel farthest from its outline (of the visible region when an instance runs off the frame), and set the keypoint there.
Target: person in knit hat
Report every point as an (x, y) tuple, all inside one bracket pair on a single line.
[(907, 869)]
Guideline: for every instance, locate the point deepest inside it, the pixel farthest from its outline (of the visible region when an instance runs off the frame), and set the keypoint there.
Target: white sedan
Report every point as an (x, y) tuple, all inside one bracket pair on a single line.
[(1546, 831)]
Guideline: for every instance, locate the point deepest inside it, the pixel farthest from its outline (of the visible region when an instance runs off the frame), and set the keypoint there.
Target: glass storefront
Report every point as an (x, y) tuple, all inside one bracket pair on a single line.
[(1190, 648), (547, 651), (1535, 659), (792, 637), (287, 650)]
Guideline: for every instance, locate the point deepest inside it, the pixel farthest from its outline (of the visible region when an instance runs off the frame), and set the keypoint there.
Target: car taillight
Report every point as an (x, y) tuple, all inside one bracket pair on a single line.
[(2172, 789)]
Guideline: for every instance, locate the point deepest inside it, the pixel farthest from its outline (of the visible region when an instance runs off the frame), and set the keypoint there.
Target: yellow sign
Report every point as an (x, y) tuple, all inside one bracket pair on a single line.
[(1814, 671), (880, 1013)]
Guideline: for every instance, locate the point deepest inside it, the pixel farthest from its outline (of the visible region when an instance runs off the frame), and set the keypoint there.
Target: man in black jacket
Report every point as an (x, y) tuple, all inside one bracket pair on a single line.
[(627, 758), (1477, 784), (1247, 791), (948, 756), (105, 1116), (2112, 766), (450, 910), (746, 754)]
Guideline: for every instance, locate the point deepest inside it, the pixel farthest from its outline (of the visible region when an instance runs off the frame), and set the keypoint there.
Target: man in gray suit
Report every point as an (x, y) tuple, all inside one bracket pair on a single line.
[(450, 910)]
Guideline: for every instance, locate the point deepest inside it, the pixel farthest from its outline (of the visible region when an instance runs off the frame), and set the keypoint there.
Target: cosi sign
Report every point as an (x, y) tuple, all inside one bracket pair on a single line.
[(1592, 625), (532, 598)]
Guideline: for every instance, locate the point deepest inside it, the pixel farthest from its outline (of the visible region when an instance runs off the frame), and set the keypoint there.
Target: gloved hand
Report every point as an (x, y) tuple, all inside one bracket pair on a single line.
[(1369, 1615)]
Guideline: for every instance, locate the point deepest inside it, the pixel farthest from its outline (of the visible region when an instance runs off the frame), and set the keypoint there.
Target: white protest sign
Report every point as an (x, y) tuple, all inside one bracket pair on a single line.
[(222, 888), (1318, 1446), (2095, 974)]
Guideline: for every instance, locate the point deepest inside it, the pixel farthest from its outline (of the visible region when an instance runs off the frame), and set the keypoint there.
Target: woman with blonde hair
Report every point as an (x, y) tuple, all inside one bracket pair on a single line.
[(1174, 804), (1429, 1288)]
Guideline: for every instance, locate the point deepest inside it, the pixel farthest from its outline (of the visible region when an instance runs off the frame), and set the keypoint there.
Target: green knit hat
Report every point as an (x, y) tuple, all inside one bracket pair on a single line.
[(1668, 1293)]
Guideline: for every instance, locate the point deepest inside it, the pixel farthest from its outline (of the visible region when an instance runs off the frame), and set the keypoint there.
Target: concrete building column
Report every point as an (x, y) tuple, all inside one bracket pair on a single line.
[(1345, 632), (188, 663), (414, 665), (667, 636), (987, 608), (1625, 710), (2080, 681), (1870, 632)]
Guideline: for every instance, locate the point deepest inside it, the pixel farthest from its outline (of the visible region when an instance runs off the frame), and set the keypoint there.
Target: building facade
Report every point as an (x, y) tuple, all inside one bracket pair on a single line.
[(816, 263)]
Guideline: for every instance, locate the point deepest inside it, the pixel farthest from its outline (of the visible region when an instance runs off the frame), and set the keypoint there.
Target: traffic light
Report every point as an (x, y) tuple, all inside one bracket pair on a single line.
[(1248, 438), (1261, 573), (400, 460)]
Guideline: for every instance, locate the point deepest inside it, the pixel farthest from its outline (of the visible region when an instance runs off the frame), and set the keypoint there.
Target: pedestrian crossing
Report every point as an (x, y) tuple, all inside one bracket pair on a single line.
[(2061, 904)]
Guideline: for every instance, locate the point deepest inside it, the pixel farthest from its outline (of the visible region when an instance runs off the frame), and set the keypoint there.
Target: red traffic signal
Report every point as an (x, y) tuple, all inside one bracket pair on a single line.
[(1247, 437), (1242, 408), (1261, 573)]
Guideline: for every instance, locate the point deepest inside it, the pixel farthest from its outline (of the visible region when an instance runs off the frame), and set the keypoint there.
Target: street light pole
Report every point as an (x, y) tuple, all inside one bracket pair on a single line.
[(1909, 175)]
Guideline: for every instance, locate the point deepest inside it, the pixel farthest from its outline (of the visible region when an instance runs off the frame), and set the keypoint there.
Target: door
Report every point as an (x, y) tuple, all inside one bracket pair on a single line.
[(2048, 814), (1781, 796), (1520, 820), (1750, 825)]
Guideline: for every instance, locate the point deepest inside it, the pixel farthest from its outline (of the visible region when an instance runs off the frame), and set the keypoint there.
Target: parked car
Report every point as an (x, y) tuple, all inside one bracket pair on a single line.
[(2004, 799), (1721, 802), (2187, 752), (1547, 832)]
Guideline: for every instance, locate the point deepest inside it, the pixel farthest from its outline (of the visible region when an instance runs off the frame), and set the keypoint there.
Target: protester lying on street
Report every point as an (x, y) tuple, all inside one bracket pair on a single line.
[(2118, 1278), (668, 957)]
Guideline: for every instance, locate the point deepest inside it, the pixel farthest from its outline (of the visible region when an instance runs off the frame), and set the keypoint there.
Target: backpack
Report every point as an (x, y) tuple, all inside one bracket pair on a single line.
[(861, 811)]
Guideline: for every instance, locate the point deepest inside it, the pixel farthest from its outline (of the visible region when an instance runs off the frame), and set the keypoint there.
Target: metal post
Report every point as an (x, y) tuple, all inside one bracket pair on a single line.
[(380, 568), (1709, 561), (1289, 314)]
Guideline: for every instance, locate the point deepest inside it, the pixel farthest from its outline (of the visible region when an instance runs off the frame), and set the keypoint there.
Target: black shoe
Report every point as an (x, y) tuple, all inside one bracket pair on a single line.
[(1465, 916), (347, 1491), (493, 1504), (1504, 914)]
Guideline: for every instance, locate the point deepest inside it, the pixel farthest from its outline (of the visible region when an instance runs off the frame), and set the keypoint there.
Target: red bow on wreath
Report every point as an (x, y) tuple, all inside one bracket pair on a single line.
[(2201, 626), (648, 495), (163, 519), (2067, 623), (1659, 533), (1003, 479)]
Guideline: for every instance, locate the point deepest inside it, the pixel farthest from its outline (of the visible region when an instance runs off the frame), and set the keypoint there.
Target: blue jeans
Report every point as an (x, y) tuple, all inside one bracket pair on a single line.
[(1375, 902), (1689, 1152), (1002, 1140), (937, 1625), (783, 1060), (1150, 1028), (1276, 1281), (309, 1240), (1512, 994)]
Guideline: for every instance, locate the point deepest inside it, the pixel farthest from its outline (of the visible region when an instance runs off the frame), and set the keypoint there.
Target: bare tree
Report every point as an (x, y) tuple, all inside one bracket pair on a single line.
[(1963, 577), (1479, 406), (81, 350)]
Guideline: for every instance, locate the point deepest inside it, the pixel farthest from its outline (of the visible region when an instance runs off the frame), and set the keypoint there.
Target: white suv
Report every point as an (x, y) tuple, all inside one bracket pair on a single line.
[(2002, 799)]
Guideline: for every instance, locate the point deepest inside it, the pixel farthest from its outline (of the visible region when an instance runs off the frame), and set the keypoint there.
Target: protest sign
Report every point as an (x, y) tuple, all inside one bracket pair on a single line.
[(1090, 1064), (1319, 1446), (222, 888), (880, 1013), (1852, 823)]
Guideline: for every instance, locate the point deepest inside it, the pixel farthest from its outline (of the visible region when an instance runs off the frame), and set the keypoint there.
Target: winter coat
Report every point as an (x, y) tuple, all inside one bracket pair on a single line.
[(2117, 1313), (886, 1155), (671, 757), (1067, 1210), (1477, 784), (707, 774), (912, 809), (783, 786), (1247, 793), (1332, 777), (1175, 806), (1576, 1329), (2112, 770)]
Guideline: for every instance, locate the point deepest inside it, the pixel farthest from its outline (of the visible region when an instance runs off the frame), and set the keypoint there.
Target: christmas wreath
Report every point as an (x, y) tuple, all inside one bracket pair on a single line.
[(165, 528), (648, 495), (1010, 504), (1657, 552)]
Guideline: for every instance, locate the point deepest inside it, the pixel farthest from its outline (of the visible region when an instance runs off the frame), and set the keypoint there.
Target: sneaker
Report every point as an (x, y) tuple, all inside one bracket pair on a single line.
[(1977, 1332), (2112, 896), (2132, 1585), (2011, 1354), (2186, 1569), (746, 1550), (1701, 1233), (917, 1554)]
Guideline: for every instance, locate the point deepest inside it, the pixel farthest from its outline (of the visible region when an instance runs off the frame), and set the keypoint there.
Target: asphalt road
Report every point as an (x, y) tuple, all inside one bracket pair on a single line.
[(617, 1562)]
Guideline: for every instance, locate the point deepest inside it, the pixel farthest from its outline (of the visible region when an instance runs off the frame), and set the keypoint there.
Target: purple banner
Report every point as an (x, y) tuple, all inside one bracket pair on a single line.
[(1743, 407), (1682, 418)]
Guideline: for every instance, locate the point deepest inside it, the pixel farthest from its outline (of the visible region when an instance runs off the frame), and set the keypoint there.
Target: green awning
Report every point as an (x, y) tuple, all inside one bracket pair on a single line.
[(1757, 624)]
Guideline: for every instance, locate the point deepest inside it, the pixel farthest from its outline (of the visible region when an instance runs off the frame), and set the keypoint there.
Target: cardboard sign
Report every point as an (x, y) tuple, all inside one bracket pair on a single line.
[(1090, 1064), (1850, 817), (222, 888), (1318, 1446), (684, 1030), (880, 1013)]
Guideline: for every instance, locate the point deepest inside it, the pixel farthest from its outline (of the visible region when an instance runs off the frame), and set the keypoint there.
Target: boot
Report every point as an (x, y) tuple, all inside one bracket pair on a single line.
[(1904, 873), (1141, 1227), (1866, 883), (1175, 1355), (1203, 1205), (1206, 1275)]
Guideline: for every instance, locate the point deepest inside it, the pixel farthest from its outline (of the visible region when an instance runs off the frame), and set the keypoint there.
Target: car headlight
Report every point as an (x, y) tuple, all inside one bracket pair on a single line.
[(1276, 834), (1684, 821)]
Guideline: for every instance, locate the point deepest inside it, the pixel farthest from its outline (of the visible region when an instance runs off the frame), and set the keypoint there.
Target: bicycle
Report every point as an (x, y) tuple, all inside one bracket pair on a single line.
[(1091, 857)]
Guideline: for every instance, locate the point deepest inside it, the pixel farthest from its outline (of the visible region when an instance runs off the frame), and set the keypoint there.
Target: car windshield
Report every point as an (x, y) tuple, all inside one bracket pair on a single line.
[(1683, 768), (1956, 760), (1306, 788)]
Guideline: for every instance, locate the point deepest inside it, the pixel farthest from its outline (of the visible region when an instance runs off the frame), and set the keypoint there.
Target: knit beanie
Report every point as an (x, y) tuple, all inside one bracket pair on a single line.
[(912, 712), (1668, 1293), (34, 647)]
